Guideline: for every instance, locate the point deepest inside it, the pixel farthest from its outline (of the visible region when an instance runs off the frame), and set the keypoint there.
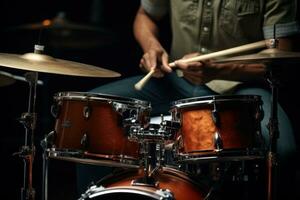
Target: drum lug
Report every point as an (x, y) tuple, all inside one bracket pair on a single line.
[(218, 141), (90, 191), (48, 140), (165, 194), (216, 117), (55, 110), (178, 144), (118, 107), (84, 141), (86, 112), (176, 115), (128, 116)]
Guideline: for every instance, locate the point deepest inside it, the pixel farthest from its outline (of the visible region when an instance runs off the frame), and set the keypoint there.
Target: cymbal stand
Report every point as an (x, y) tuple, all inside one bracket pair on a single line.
[(27, 151), (272, 156), (28, 119), (45, 145)]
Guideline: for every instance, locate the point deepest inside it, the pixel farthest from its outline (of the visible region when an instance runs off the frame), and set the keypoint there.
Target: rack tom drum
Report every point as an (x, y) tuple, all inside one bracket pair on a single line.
[(218, 127), (93, 128)]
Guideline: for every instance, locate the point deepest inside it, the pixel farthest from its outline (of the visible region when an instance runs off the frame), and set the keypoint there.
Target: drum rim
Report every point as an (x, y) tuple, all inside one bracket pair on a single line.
[(187, 102), (73, 95), (126, 189)]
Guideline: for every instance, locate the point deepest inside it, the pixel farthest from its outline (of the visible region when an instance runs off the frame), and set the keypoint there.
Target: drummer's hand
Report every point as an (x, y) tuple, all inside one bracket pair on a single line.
[(197, 73), (156, 57)]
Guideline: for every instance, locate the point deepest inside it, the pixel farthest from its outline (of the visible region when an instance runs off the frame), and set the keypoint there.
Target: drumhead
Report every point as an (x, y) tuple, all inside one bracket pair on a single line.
[(87, 96), (195, 101)]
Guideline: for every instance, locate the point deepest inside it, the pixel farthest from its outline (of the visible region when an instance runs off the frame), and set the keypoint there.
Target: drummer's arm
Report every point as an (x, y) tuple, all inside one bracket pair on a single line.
[(146, 32)]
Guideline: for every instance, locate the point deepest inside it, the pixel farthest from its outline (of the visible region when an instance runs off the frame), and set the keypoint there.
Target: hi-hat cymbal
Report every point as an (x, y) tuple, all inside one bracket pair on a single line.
[(267, 55), (6, 79), (47, 64)]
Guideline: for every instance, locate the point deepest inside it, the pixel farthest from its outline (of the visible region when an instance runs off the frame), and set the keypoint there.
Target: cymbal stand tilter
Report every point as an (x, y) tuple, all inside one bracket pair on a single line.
[(28, 119)]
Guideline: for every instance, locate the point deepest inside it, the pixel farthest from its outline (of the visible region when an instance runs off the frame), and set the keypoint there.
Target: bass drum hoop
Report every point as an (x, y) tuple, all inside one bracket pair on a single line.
[(157, 195)]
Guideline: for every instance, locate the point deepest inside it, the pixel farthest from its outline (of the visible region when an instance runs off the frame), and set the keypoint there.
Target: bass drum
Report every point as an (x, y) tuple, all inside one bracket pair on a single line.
[(167, 184)]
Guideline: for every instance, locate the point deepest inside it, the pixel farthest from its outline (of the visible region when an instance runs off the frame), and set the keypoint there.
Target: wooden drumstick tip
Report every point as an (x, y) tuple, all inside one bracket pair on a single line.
[(139, 85)]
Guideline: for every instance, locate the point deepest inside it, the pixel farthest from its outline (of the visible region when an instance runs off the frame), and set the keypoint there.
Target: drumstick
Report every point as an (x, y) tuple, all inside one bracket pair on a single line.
[(247, 47), (143, 81)]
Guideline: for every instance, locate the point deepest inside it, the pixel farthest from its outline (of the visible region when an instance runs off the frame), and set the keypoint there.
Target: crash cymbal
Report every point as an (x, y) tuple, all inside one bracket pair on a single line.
[(62, 33), (47, 64), (57, 23), (6, 79), (267, 55)]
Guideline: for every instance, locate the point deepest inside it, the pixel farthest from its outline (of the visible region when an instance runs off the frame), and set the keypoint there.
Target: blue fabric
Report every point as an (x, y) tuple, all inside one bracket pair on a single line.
[(159, 92)]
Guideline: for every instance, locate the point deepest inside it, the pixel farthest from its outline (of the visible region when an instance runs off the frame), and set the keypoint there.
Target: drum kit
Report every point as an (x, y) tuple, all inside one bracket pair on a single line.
[(114, 131)]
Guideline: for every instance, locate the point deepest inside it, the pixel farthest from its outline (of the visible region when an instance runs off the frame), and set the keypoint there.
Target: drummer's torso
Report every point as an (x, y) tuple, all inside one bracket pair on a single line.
[(206, 26)]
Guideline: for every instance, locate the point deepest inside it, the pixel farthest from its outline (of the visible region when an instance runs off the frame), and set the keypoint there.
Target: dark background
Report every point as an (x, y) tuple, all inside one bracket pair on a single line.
[(113, 48)]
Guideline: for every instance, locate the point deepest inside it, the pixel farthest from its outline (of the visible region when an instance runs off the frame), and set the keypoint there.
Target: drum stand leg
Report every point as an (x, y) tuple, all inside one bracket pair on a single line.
[(44, 144), (27, 151), (45, 176), (272, 157)]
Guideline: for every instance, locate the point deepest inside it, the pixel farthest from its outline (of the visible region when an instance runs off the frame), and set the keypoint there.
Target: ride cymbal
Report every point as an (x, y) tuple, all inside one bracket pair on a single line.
[(47, 64)]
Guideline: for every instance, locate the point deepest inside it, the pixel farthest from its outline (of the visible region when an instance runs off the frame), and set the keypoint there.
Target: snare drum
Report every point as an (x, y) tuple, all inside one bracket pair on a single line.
[(168, 183), (218, 127), (93, 128)]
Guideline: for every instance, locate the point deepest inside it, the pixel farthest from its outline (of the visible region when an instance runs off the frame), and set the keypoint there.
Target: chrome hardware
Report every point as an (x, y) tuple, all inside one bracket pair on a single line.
[(87, 110), (84, 141), (215, 116), (217, 142)]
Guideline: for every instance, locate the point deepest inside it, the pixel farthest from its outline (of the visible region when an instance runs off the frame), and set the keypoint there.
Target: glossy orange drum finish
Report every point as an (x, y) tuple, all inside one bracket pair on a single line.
[(238, 118), (90, 124), (176, 182)]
